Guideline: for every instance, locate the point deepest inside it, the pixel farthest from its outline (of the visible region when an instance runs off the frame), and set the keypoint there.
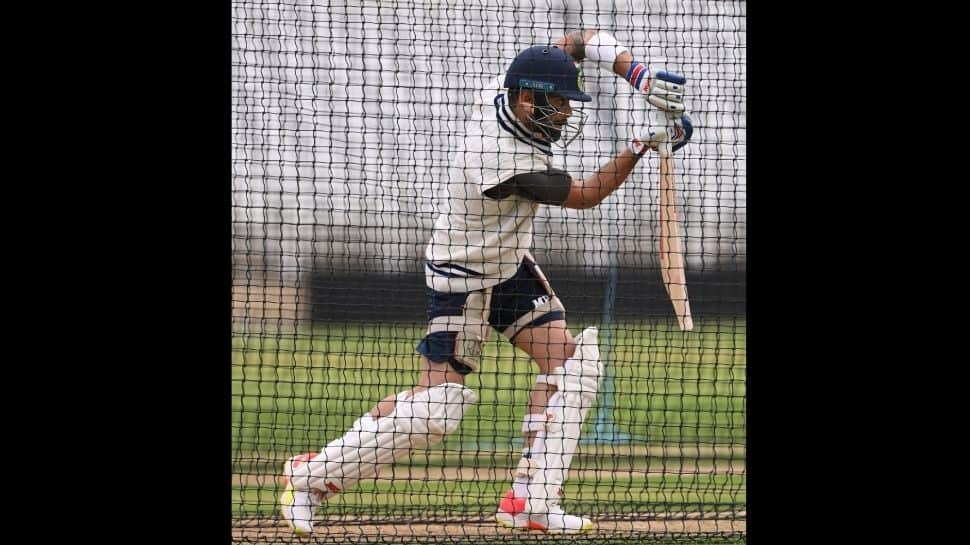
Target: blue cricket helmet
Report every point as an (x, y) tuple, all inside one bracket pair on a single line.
[(546, 68)]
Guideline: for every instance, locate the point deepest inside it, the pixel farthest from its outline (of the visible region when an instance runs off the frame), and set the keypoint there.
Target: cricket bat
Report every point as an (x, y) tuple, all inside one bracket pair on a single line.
[(671, 252)]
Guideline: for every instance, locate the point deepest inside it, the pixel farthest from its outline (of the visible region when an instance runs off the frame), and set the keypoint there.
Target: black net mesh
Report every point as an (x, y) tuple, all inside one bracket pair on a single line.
[(347, 117)]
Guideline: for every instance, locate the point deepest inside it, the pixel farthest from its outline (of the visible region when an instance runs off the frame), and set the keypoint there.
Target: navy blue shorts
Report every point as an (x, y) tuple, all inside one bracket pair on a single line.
[(458, 323)]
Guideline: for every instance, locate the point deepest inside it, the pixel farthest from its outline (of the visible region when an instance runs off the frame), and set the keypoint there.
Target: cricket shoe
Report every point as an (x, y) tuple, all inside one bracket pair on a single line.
[(298, 506), (512, 514)]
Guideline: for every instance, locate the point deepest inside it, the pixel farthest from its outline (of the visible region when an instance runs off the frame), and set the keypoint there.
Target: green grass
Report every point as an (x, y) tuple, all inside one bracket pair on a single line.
[(681, 396)]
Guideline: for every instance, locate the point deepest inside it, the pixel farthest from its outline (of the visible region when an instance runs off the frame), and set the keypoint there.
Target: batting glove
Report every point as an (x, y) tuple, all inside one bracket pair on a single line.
[(665, 91), (683, 129), (665, 134)]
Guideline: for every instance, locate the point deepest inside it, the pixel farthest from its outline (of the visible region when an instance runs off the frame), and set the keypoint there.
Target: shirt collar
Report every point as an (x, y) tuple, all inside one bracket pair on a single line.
[(508, 122)]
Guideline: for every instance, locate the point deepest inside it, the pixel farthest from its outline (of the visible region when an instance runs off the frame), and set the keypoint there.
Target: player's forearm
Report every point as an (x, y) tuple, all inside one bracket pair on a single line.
[(591, 191), (575, 42)]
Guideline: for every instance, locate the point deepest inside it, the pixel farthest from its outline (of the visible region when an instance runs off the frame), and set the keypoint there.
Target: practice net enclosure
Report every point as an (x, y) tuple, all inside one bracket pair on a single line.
[(347, 118)]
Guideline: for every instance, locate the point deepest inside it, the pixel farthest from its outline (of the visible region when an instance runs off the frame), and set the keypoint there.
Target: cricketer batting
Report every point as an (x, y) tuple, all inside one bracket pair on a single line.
[(481, 276)]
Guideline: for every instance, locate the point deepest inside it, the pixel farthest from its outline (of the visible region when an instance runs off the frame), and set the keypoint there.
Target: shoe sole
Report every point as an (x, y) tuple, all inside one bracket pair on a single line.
[(508, 521)]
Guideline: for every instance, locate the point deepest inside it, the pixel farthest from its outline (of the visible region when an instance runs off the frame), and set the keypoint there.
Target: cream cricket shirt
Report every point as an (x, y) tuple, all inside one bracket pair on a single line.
[(478, 241)]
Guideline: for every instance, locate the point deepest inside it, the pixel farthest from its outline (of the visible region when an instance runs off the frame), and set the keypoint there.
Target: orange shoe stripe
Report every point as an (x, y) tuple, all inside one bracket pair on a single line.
[(536, 526)]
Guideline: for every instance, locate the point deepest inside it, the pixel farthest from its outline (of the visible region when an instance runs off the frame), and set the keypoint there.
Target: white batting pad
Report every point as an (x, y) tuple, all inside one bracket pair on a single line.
[(577, 383), (372, 445)]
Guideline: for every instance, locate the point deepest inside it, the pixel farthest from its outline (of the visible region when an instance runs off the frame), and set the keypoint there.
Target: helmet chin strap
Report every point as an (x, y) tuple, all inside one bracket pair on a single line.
[(562, 137)]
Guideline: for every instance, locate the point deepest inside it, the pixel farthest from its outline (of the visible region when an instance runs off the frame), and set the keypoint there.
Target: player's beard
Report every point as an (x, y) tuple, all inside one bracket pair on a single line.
[(546, 128), (541, 121), (541, 125)]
